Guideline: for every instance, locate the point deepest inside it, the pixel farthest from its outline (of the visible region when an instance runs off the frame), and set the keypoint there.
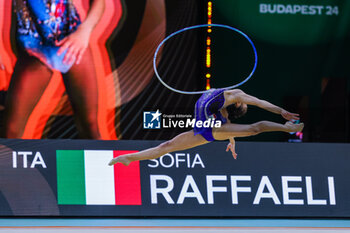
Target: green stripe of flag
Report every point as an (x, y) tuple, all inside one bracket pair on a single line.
[(70, 177)]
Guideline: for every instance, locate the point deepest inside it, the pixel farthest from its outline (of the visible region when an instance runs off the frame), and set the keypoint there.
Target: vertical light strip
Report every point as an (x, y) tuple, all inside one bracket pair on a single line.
[(208, 46)]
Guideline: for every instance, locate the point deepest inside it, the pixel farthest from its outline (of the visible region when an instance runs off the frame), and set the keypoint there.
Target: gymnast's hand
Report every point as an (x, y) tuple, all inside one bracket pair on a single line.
[(231, 147), (76, 44), (290, 116)]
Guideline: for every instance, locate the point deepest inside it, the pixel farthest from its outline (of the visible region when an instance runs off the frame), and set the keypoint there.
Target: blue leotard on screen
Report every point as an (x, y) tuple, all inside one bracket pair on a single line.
[(209, 106), (42, 23)]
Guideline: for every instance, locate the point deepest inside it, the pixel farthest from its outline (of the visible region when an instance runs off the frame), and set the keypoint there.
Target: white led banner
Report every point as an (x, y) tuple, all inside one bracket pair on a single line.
[(72, 178)]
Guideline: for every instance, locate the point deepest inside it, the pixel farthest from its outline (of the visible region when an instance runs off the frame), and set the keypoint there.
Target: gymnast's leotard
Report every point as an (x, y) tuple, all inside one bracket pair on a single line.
[(209, 106), (42, 23)]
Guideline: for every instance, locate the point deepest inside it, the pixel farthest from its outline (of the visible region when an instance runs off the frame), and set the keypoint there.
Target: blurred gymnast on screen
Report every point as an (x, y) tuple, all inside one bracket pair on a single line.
[(50, 36), (225, 106)]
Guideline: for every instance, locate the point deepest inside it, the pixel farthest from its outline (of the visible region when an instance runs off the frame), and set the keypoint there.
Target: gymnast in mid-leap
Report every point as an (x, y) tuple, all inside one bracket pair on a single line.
[(225, 106)]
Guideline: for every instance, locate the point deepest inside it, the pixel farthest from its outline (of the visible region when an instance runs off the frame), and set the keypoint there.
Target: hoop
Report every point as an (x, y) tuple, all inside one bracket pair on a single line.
[(200, 26)]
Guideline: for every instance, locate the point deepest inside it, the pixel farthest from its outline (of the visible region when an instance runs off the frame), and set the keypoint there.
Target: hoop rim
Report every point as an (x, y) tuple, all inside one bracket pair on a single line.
[(200, 26)]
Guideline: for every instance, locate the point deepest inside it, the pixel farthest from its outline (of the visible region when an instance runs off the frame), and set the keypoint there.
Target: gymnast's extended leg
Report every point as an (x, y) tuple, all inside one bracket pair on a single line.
[(230, 130), (180, 142), (188, 139), (29, 81), (81, 86)]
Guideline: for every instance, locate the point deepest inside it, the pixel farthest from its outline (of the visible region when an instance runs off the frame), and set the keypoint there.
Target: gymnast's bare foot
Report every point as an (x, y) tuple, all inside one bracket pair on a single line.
[(120, 159), (291, 127)]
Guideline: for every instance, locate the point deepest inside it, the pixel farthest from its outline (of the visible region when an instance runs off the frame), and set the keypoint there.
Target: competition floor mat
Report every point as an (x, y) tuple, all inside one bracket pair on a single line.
[(172, 225)]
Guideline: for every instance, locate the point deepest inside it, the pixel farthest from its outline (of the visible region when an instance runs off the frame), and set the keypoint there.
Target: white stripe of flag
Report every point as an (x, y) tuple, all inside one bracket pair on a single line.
[(99, 178)]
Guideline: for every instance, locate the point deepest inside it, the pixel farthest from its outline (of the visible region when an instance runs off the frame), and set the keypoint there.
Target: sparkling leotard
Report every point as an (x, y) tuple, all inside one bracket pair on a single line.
[(42, 23), (209, 106)]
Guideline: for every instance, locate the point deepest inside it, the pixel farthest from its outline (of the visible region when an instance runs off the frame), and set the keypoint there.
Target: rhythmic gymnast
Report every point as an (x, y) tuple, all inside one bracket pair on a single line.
[(225, 106)]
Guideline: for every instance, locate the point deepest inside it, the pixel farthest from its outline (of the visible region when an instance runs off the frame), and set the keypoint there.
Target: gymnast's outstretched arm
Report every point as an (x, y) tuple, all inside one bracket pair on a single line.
[(238, 96)]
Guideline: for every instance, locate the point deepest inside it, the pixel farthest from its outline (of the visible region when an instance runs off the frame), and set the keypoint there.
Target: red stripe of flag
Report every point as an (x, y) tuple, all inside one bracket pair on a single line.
[(127, 181)]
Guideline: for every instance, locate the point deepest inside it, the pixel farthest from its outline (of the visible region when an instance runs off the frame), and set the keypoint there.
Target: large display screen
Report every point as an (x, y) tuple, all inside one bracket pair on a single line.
[(302, 52), (46, 94)]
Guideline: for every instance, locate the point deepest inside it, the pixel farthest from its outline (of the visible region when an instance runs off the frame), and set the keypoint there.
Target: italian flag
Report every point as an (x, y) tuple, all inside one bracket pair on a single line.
[(84, 178)]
